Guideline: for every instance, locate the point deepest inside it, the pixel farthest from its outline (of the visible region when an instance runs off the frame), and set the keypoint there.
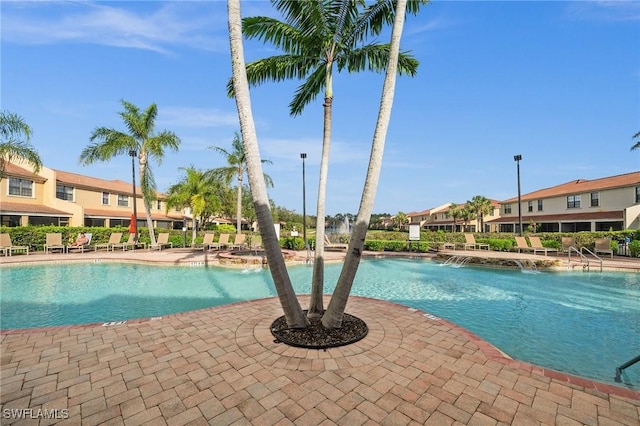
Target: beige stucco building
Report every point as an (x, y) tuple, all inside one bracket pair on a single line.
[(56, 197), (609, 203)]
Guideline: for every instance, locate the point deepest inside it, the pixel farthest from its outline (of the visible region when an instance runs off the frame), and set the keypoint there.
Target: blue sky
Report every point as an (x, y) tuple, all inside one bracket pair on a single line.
[(557, 82)]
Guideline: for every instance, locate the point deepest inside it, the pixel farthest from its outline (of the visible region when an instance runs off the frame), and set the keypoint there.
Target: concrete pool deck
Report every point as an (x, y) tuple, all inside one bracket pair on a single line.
[(221, 366)]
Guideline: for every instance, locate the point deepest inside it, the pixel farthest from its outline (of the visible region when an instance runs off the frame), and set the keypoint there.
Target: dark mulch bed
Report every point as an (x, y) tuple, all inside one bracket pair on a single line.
[(316, 336)]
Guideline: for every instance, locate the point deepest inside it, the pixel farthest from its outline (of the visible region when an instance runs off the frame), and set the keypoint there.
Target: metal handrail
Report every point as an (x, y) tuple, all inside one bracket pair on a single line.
[(583, 258), (625, 365), (592, 254)]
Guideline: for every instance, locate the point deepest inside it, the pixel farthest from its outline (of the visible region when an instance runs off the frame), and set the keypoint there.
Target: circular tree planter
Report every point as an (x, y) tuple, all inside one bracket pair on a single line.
[(315, 336)]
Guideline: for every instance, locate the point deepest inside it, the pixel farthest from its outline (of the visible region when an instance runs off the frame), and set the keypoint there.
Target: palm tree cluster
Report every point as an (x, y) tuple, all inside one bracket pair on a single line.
[(315, 36), (477, 208)]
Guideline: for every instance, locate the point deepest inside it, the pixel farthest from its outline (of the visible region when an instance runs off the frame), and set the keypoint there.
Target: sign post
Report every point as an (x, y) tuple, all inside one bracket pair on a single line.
[(414, 234)]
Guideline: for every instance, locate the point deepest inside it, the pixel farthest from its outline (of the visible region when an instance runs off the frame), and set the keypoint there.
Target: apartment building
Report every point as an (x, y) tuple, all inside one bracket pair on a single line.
[(609, 203), (439, 219), (56, 197)]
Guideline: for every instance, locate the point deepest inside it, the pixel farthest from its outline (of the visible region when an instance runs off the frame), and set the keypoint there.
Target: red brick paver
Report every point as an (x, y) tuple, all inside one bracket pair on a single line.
[(221, 366)]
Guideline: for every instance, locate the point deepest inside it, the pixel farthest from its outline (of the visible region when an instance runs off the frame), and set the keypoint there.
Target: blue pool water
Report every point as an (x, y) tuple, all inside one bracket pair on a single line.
[(579, 323)]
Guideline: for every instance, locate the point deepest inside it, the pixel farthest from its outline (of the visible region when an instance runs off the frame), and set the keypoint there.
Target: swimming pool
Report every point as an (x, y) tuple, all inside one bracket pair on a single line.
[(579, 323)]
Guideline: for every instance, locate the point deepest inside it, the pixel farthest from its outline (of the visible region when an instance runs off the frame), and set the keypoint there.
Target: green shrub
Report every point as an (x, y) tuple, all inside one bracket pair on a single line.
[(374, 245), (292, 243), (225, 228), (634, 248)]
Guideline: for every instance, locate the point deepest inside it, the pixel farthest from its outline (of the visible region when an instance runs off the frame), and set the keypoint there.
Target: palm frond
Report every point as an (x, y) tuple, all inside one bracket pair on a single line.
[(375, 57), (308, 91), (270, 30), (12, 126), (110, 143)]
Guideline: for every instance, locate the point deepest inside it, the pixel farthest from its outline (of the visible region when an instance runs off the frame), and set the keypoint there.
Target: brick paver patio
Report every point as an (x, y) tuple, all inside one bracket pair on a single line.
[(221, 366)]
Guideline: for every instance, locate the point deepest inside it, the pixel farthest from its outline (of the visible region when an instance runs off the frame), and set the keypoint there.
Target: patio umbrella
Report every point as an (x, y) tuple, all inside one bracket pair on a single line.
[(132, 225)]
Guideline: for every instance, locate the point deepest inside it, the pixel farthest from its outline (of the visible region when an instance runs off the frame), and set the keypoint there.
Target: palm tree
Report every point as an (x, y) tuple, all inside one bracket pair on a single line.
[(481, 206), (141, 140), (332, 318), (637, 144), (293, 313), (400, 219), (236, 167), (195, 190), (455, 211), (316, 37), (15, 134)]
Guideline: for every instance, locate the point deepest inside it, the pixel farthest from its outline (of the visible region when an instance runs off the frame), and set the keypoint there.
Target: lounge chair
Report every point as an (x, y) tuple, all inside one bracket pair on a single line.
[(130, 244), (81, 248), (239, 242), (537, 246), (7, 246), (522, 245), (471, 243), (328, 245), (567, 244), (603, 245), (114, 238), (256, 242), (207, 242), (223, 242), (54, 242), (162, 241)]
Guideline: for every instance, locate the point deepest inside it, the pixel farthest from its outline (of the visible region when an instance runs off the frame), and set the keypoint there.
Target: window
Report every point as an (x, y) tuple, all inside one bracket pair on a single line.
[(64, 192), (105, 198), (507, 208), (573, 202), (21, 187), (158, 204), (595, 199), (123, 200), (529, 206), (539, 205), (637, 194)]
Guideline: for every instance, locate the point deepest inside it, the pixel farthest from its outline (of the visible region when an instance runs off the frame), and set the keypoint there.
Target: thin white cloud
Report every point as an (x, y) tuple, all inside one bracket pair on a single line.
[(605, 10), (192, 24)]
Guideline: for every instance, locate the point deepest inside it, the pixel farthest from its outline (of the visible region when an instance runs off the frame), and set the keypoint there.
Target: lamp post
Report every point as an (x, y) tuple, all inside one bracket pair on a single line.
[(184, 236), (133, 154), (517, 159), (304, 205)]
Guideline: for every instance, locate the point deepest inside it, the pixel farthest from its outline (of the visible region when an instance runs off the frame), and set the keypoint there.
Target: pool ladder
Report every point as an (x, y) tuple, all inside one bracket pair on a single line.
[(623, 366), (584, 259)]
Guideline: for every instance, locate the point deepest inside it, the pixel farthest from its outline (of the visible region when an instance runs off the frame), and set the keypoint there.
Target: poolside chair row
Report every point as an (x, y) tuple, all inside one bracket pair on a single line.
[(224, 242), (469, 244), (535, 247)]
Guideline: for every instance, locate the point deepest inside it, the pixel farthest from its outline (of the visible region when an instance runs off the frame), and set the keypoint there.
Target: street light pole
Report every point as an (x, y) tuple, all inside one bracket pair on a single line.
[(517, 159), (304, 205), (133, 154)]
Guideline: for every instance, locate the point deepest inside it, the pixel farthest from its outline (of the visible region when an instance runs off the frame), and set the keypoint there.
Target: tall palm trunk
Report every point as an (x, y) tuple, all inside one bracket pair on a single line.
[(335, 311), (239, 203), (194, 224), (143, 158), (293, 313), (316, 305)]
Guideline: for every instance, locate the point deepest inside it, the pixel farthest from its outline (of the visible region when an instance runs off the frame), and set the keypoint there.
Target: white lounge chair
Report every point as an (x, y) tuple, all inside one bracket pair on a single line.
[(162, 241), (7, 246), (54, 242)]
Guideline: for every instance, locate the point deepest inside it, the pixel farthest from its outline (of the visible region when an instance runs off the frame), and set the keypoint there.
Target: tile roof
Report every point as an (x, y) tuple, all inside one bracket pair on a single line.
[(82, 181), (11, 169), (7, 207), (580, 186)]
